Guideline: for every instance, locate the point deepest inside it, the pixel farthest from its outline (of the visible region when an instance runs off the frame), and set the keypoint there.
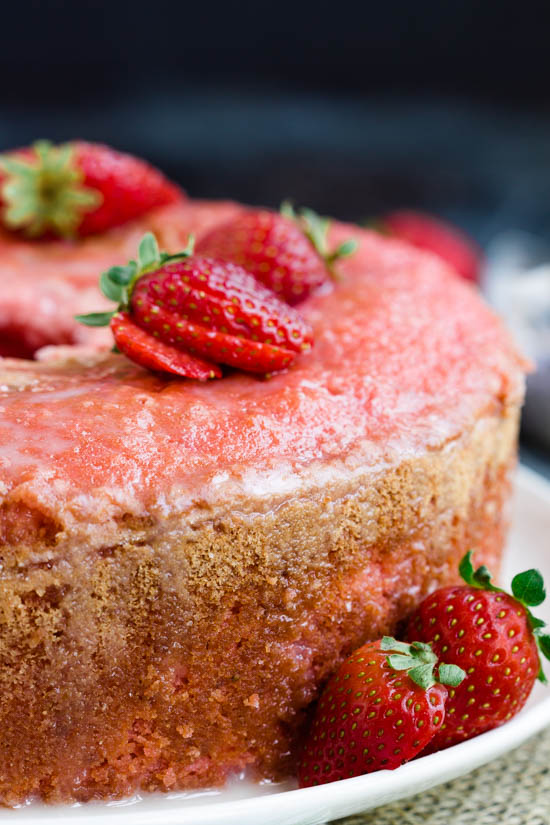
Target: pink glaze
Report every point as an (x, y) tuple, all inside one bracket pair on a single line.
[(406, 355), (44, 284)]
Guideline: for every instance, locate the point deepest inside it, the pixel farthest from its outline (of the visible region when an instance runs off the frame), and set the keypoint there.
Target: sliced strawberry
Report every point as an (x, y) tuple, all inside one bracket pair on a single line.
[(236, 351), (147, 351), (222, 312), (212, 309)]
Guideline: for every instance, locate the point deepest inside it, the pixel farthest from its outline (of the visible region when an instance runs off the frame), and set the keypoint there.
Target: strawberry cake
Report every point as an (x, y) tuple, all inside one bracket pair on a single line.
[(183, 563)]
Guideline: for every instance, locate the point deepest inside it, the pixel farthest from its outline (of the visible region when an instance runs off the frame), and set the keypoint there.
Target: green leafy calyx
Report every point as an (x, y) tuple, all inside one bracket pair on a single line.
[(527, 588), (475, 578), (419, 660), (118, 282), (44, 192), (315, 228)]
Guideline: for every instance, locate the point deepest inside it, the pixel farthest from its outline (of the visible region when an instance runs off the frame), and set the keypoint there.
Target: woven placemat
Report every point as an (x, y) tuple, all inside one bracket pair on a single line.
[(514, 790)]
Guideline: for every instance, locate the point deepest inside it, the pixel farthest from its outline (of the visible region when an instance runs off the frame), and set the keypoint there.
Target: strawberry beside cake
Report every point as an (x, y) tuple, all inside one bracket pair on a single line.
[(184, 564)]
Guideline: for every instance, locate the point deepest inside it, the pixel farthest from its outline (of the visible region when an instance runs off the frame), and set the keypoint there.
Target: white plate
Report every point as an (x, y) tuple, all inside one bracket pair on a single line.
[(247, 804)]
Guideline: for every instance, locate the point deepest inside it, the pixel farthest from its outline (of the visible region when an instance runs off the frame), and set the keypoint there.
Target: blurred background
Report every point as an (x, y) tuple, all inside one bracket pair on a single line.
[(352, 108)]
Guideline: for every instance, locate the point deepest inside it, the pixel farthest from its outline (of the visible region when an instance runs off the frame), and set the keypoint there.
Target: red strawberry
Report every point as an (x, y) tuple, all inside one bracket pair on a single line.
[(493, 637), (77, 189), (446, 241), (147, 351), (213, 310), (378, 711), (285, 252)]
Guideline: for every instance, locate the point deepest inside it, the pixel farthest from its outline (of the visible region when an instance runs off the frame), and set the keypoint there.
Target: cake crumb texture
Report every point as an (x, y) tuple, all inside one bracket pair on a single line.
[(190, 651)]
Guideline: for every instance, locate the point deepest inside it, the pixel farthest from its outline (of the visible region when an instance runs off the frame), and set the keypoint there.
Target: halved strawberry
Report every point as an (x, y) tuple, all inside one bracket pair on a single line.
[(211, 309), (286, 252)]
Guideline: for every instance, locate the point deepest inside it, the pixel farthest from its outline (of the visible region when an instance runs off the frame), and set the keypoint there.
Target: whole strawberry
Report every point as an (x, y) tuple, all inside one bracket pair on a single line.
[(77, 189), (379, 710), (213, 311), (285, 252), (437, 236), (494, 638)]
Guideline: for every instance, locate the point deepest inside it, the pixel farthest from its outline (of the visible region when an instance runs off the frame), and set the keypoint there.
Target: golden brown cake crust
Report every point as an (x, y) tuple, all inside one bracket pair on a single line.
[(183, 564), (189, 649)]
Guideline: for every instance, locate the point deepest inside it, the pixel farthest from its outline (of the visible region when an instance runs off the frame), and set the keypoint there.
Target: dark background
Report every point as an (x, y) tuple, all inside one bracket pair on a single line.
[(352, 108), (484, 49)]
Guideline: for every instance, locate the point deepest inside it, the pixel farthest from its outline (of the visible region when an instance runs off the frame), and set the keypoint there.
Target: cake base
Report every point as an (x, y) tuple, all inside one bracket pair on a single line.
[(192, 647)]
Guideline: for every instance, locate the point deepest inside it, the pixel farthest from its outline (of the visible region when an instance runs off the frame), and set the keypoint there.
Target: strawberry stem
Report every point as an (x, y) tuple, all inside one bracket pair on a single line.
[(118, 282), (419, 660), (528, 588), (95, 319), (475, 578), (44, 191), (315, 228)]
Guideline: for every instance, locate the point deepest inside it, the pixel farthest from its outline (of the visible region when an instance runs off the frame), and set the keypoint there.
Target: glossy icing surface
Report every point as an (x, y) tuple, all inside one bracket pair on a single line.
[(406, 355), (43, 285)]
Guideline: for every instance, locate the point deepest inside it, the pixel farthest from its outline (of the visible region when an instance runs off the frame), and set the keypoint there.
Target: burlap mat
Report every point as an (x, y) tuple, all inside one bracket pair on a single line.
[(514, 790)]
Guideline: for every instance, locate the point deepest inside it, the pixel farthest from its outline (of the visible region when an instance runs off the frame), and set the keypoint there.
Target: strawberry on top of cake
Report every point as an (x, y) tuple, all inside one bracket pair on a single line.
[(186, 313), (67, 213), (391, 368)]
